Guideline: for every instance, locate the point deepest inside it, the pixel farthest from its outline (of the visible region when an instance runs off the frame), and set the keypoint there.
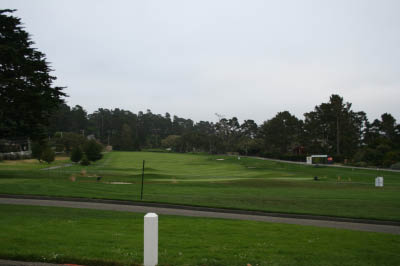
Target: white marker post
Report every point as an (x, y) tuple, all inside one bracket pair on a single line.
[(150, 239), (379, 181)]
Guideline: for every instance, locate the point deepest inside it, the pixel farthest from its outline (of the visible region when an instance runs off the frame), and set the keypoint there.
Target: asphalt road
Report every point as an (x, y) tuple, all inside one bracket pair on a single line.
[(24, 263), (353, 225)]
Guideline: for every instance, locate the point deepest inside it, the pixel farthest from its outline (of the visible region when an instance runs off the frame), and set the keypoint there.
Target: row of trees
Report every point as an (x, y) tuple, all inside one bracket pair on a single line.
[(32, 107), (331, 128)]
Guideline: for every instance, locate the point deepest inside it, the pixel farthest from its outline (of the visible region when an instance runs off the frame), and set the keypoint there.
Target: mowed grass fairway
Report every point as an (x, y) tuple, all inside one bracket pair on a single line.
[(203, 180), (99, 238)]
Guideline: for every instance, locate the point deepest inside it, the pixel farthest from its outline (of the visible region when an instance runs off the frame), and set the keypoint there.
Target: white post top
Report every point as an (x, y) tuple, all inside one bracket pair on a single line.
[(151, 215)]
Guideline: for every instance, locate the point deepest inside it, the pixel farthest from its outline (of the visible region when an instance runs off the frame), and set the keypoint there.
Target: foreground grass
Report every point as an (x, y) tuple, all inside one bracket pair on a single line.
[(93, 237), (203, 180)]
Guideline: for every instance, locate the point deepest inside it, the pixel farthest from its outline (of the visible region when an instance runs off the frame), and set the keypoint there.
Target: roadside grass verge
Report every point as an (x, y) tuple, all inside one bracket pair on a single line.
[(93, 237)]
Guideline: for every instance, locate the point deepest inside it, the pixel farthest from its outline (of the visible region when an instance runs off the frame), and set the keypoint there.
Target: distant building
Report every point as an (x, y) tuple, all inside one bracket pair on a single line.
[(91, 137), (109, 148)]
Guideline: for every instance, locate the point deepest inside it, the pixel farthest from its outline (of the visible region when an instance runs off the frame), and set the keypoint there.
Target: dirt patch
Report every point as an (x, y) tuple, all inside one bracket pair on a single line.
[(15, 162), (61, 158)]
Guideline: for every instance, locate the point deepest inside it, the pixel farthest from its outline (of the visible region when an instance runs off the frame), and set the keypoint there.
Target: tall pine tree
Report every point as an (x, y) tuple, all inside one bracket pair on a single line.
[(27, 95)]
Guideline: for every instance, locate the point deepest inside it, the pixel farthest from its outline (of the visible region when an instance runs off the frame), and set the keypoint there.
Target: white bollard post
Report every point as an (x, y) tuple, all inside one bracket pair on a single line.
[(379, 181), (150, 239)]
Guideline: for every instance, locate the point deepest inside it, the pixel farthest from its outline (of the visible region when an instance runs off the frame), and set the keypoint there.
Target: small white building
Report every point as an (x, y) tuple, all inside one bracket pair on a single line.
[(310, 158)]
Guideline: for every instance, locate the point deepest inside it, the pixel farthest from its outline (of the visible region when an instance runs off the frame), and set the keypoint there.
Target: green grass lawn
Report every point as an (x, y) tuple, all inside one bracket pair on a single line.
[(97, 238), (202, 180)]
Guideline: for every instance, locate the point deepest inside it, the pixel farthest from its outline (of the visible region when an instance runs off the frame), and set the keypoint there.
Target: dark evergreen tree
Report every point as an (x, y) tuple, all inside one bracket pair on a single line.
[(48, 155), (334, 128), (27, 96), (37, 150), (282, 133), (93, 150), (76, 154)]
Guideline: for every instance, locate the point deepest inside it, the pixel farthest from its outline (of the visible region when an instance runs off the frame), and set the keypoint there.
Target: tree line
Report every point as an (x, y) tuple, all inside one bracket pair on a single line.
[(332, 128)]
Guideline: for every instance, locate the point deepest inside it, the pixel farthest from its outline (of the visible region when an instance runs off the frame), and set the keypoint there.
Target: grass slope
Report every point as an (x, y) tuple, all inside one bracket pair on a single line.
[(205, 181), (93, 237)]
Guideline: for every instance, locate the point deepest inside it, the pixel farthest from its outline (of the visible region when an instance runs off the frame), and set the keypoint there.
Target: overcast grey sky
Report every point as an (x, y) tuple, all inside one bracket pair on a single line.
[(249, 59)]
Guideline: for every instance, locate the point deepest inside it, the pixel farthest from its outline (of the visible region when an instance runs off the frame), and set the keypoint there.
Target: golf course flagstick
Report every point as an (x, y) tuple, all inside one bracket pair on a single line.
[(141, 193)]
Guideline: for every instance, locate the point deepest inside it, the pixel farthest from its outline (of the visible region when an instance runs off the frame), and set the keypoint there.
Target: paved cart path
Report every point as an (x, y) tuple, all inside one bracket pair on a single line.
[(225, 214), (327, 165)]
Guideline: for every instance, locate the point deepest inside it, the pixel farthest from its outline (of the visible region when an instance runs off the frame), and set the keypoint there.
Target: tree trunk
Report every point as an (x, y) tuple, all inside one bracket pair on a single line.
[(337, 136)]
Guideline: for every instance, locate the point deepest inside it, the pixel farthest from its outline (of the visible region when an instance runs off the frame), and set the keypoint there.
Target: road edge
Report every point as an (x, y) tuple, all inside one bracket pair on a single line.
[(208, 209)]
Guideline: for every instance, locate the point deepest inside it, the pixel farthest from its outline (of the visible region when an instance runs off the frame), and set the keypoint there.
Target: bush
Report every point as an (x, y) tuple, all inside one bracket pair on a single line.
[(59, 148), (359, 156), (48, 155), (93, 150), (339, 158), (395, 166), (37, 150), (85, 160), (285, 157), (360, 164), (373, 156), (76, 154), (391, 158), (70, 140)]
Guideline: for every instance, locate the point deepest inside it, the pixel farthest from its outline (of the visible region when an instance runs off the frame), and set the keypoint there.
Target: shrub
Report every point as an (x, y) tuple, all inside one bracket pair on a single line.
[(360, 164), (395, 166), (70, 140), (37, 150), (391, 158), (85, 160), (48, 155), (59, 148), (93, 150), (359, 156), (339, 158), (76, 154)]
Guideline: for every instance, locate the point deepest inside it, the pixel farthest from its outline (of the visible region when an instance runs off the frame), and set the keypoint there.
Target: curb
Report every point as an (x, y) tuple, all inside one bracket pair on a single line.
[(208, 209)]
